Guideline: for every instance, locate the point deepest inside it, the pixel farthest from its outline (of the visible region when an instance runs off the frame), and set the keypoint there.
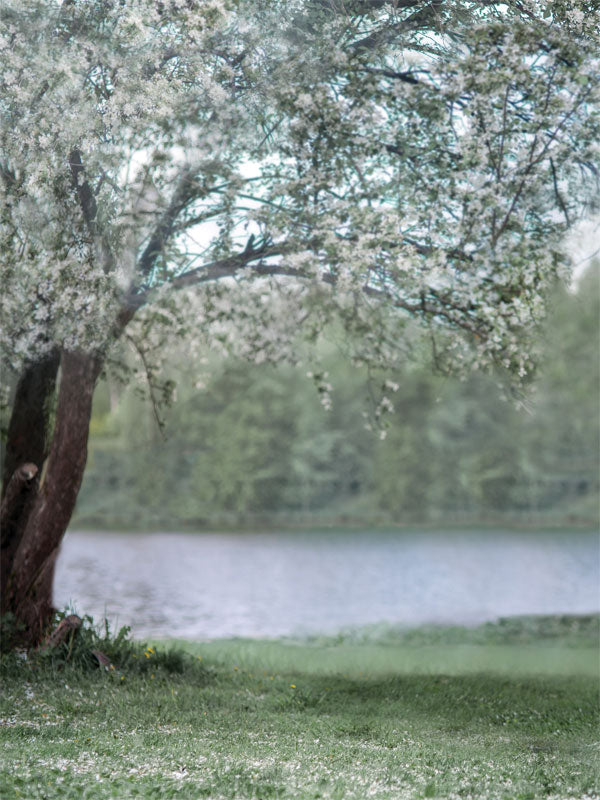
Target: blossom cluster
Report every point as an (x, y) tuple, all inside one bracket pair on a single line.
[(249, 175)]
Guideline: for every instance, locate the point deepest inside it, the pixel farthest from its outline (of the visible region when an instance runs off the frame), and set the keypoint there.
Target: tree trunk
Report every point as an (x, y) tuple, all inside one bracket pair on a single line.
[(38, 526), (28, 442), (28, 438)]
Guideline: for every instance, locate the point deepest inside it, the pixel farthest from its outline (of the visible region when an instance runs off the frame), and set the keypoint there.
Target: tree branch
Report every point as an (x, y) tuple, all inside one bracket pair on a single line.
[(558, 195), (361, 7), (185, 192), (419, 19), (148, 372), (85, 193), (215, 270), (407, 77), (255, 257)]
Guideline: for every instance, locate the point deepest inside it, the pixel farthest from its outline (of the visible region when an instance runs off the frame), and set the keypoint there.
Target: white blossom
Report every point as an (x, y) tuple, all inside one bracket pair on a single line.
[(394, 190)]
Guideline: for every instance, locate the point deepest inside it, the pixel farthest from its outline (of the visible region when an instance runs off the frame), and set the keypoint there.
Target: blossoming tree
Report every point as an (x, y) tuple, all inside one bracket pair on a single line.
[(244, 173)]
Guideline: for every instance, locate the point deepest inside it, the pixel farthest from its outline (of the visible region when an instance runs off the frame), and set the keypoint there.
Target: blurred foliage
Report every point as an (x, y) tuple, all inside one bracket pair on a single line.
[(252, 444), (565, 630)]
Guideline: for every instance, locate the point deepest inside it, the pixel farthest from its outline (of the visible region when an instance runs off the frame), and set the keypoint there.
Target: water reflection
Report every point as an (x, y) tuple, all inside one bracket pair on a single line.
[(220, 585)]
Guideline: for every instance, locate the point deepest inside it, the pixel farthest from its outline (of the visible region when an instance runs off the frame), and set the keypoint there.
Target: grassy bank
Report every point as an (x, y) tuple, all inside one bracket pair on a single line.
[(489, 713), (342, 523)]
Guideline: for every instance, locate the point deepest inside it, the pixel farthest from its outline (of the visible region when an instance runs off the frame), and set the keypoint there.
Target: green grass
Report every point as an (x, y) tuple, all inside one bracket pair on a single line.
[(439, 713)]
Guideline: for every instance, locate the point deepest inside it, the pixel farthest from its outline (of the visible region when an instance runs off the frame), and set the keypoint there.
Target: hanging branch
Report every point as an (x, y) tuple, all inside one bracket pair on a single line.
[(148, 372)]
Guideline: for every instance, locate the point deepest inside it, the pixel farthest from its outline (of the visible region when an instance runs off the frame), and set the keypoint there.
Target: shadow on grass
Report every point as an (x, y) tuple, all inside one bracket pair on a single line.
[(455, 702)]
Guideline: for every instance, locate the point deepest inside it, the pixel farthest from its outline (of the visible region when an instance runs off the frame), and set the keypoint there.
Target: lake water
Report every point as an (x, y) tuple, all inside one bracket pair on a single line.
[(210, 585)]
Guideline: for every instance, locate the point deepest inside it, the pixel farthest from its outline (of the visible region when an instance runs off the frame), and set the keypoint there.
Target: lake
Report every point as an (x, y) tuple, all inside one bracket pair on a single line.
[(211, 585)]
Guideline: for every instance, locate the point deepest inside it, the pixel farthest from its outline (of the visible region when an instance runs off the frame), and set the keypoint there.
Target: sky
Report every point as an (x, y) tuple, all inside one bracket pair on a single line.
[(583, 243)]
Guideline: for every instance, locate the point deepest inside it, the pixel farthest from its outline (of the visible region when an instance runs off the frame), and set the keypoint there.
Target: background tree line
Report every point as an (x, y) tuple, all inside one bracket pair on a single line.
[(248, 444)]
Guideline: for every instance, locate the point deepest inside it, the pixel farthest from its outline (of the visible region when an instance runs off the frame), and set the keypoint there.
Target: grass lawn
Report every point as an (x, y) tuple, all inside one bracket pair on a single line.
[(446, 713)]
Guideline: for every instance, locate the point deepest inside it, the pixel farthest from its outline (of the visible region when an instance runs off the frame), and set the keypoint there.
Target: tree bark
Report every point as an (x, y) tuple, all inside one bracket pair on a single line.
[(28, 442), (19, 482), (28, 430), (40, 527)]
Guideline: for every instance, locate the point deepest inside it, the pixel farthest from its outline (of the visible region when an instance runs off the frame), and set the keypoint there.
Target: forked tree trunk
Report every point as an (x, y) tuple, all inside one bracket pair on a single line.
[(28, 442), (38, 522), (27, 438)]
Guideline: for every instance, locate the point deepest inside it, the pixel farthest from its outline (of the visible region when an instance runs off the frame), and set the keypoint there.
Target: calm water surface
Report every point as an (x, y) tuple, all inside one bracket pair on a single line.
[(261, 585)]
